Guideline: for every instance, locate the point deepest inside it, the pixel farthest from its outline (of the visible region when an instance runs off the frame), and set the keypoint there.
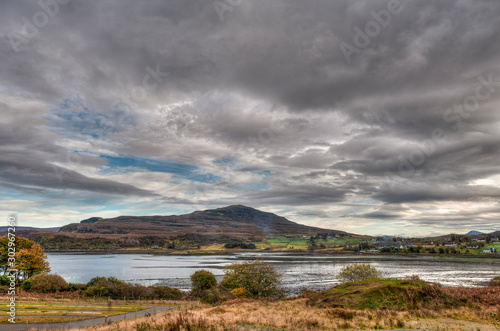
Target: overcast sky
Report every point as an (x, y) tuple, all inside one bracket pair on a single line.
[(374, 117)]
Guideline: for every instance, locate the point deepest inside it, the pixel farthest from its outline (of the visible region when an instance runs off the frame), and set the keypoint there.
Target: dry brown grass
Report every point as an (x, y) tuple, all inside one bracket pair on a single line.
[(296, 315)]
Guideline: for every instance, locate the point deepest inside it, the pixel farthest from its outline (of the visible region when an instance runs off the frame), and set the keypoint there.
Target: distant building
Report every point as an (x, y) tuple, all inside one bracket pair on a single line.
[(473, 246), (490, 250), (155, 246), (451, 245)]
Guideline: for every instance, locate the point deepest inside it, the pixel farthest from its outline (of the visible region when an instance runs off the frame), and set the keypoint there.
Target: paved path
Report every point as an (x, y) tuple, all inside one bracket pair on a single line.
[(83, 323)]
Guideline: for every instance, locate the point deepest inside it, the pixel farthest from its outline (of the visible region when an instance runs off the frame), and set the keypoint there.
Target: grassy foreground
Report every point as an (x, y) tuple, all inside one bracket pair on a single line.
[(381, 304), (369, 305), (297, 315)]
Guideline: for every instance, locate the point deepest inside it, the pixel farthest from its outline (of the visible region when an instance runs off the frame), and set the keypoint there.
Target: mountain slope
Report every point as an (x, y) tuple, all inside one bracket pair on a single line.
[(473, 233), (235, 220)]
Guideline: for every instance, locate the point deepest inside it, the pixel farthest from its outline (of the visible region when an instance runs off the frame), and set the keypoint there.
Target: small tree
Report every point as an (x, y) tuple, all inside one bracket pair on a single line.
[(205, 288), (356, 272), (259, 279), (202, 280), (29, 257)]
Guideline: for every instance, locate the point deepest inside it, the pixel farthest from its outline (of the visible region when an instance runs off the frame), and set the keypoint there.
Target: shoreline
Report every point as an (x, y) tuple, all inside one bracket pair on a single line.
[(293, 253)]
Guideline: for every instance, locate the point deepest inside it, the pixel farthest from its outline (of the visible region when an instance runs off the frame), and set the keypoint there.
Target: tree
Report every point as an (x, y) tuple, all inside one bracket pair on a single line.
[(205, 288), (202, 280), (312, 245), (356, 272), (29, 258), (259, 279)]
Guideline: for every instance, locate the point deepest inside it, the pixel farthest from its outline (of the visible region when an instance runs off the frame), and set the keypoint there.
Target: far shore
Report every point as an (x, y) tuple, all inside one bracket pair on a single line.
[(295, 253)]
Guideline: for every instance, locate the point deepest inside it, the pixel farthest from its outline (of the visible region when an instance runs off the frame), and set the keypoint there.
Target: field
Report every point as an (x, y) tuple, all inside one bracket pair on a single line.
[(480, 250), (293, 243), (65, 310), (298, 314), (383, 304)]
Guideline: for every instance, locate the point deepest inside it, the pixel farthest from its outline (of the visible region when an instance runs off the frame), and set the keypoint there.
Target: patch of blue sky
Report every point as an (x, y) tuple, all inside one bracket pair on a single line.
[(254, 186), (262, 172), (180, 170), (8, 192), (225, 161), (72, 117), (367, 202), (205, 178)]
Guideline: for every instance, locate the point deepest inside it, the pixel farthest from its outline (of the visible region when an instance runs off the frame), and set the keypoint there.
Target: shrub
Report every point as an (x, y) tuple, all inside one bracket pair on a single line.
[(495, 281), (202, 280), (4, 280), (259, 279), (117, 289), (240, 292), (26, 285), (107, 287), (76, 286), (45, 283), (356, 272), (214, 295), (167, 293)]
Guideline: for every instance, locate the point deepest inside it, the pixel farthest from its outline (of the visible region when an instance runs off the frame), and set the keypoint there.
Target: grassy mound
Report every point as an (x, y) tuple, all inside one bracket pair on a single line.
[(384, 293)]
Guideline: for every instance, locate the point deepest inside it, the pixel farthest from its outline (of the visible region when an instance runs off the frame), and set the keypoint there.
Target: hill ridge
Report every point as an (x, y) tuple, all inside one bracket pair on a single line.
[(230, 220)]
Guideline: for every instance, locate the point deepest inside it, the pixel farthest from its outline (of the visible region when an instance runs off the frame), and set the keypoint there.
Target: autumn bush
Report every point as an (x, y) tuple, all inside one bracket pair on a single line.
[(259, 279), (356, 272), (240, 292), (48, 283), (29, 257)]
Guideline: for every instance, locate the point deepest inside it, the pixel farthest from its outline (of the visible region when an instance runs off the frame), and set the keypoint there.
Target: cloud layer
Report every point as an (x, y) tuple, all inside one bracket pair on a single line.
[(367, 116)]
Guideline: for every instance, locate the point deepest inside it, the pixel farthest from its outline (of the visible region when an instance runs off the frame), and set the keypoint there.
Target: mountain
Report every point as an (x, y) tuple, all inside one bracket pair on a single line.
[(21, 228), (473, 233), (237, 220)]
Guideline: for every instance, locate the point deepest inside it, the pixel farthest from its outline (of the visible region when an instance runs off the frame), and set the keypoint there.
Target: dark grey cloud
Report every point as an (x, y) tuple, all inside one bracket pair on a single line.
[(262, 98)]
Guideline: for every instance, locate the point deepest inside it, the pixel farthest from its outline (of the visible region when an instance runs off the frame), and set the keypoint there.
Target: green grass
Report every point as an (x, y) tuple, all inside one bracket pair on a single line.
[(300, 243), (383, 293), (51, 312)]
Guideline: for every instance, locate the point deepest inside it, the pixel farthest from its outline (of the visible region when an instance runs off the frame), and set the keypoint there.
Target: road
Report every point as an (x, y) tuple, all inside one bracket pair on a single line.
[(82, 323)]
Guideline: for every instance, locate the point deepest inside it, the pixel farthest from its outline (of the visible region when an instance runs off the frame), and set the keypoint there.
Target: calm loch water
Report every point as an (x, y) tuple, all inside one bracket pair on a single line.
[(316, 272)]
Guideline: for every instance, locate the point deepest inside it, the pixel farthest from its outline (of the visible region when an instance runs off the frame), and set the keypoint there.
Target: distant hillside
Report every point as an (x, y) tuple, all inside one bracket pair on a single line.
[(473, 233), (235, 220), (495, 234), (21, 228)]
